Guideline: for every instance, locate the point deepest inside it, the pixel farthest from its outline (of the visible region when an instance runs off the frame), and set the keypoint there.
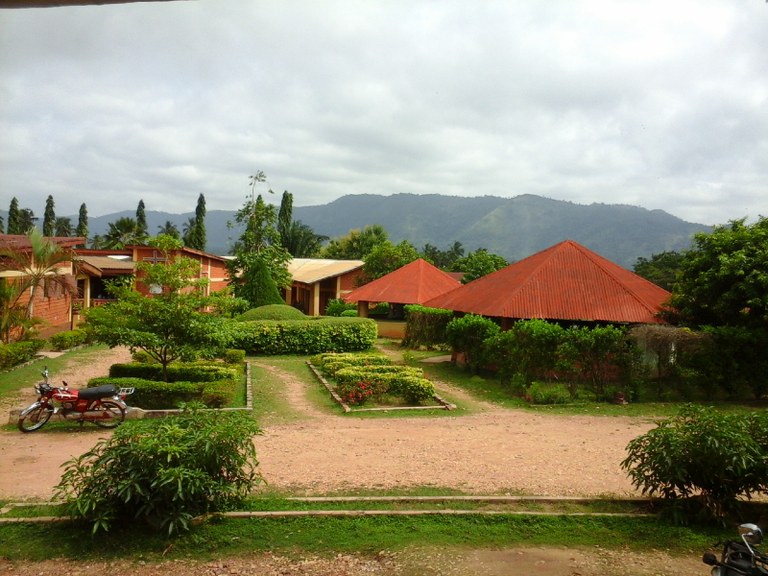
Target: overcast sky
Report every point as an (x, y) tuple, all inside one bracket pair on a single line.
[(655, 103)]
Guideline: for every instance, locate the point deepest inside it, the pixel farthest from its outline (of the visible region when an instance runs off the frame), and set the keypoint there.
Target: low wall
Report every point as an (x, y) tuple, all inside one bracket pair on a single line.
[(391, 328)]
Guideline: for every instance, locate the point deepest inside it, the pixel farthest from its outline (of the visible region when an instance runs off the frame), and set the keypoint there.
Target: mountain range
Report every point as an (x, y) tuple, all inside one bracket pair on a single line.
[(510, 227)]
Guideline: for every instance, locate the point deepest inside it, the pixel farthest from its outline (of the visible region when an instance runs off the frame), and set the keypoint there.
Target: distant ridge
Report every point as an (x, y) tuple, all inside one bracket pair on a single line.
[(511, 227)]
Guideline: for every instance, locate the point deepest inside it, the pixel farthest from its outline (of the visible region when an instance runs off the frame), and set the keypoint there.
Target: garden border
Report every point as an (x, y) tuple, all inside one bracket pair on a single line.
[(443, 404)]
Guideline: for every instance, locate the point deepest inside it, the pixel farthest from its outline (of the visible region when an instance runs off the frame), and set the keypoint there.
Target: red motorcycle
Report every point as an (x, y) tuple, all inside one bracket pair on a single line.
[(103, 405)]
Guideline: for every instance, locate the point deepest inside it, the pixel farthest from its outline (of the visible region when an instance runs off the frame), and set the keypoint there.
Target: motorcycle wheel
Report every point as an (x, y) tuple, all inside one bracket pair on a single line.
[(34, 418), (114, 410)]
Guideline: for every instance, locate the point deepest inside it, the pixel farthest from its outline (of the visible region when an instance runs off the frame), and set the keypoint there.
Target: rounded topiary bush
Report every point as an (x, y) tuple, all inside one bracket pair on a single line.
[(272, 312)]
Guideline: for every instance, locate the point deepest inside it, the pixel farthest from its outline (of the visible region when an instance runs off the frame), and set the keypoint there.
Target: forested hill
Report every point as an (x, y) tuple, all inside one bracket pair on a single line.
[(511, 227)]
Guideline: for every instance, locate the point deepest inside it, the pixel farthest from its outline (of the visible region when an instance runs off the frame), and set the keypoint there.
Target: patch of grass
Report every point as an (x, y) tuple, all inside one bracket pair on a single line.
[(327, 536)]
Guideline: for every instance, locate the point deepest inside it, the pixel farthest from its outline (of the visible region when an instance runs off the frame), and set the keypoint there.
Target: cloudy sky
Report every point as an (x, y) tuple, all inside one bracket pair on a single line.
[(647, 102)]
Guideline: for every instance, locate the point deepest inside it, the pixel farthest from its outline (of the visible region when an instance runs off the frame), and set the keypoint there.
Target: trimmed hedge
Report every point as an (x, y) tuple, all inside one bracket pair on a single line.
[(154, 395), (425, 326), (17, 353), (326, 334), (271, 312), (68, 339), (176, 372)]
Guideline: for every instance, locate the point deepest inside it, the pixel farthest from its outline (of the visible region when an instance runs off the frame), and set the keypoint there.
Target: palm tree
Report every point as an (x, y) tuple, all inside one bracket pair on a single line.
[(40, 266), (122, 232), (169, 229), (62, 226)]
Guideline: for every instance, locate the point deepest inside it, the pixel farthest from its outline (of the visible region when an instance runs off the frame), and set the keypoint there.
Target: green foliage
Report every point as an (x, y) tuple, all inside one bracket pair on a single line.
[(272, 312), (337, 306), (234, 356), (662, 269), (467, 335), (157, 395), (595, 356), (349, 313), (478, 264), (545, 393), (49, 217), (527, 350), (357, 244), (380, 309), (425, 326), (443, 259), (175, 372), (387, 257), (82, 222), (16, 353), (312, 336), (164, 472), (724, 277), (715, 456), (68, 339)]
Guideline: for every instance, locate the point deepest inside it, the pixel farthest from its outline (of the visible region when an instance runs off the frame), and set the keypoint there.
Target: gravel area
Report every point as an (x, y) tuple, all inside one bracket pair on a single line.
[(489, 451)]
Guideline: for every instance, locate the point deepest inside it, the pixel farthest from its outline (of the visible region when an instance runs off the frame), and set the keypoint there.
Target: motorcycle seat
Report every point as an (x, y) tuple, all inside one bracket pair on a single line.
[(98, 392)]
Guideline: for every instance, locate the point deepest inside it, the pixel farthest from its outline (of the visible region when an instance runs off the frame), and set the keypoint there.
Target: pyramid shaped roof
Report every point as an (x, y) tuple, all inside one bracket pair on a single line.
[(414, 283), (564, 282)]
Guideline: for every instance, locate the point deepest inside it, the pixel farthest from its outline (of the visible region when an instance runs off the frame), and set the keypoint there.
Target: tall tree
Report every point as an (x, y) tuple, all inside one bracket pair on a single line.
[(14, 217), (443, 259), (661, 269), (388, 257), (49, 217), (141, 221), (199, 236), (477, 264), (82, 222), (258, 246), (38, 267), (301, 241), (188, 232), (285, 216), (26, 220), (62, 227)]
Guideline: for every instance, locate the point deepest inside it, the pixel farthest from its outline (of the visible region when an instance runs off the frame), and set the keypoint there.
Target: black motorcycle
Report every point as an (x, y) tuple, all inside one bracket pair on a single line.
[(740, 557)]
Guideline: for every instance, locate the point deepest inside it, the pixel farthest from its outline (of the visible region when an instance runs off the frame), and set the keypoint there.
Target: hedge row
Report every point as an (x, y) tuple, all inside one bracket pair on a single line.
[(272, 337), (176, 372), (68, 339), (18, 352), (154, 395)]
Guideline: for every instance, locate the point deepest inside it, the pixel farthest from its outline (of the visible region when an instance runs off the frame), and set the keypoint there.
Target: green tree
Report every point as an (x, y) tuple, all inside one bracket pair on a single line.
[(62, 227), (49, 217), (141, 221), (121, 233), (662, 269), (387, 257), (357, 244), (301, 241), (167, 325), (443, 259), (285, 216), (13, 217), (196, 237), (478, 264), (13, 315), (82, 222), (724, 277), (467, 335), (40, 267)]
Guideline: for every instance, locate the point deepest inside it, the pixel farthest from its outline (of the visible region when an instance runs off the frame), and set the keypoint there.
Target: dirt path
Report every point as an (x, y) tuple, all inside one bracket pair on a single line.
[(491, 450)]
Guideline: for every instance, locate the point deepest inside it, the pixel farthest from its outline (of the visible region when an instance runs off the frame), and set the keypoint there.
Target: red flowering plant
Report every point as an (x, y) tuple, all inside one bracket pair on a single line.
[(357, 393)]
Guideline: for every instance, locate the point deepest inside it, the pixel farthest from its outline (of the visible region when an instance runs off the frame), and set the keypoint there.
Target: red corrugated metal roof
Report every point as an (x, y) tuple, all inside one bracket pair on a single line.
[(564, 282), (414, 283)]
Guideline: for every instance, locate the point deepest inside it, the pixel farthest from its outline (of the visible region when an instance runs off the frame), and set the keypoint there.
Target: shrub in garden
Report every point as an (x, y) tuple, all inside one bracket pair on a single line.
[(337, 307), (717, 457), (425, 326), (233, 356), (16, 353), (160, 395), (164, 472), (272, 312), (68, 339), (468, 334), (543, 393)]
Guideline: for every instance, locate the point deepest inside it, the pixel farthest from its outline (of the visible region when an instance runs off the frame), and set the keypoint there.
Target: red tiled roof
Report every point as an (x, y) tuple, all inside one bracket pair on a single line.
[(564, 282), (21, 243), (414, 283)]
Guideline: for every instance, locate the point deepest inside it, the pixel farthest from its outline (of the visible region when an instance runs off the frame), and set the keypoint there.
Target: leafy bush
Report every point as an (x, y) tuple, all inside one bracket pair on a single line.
[(381, 309), (543, 393), (356, 393), (701, 451), (68, 339), (164, 472), (142, 357), (337, 307), (413, 388), (348, 313), (17, 353), (467, 335), (272, 312), (232, 356), (326, 334), (425, 326), (176, 372)]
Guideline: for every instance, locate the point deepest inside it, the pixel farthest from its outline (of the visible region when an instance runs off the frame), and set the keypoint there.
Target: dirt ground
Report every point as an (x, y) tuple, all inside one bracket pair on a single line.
[(490, 451)]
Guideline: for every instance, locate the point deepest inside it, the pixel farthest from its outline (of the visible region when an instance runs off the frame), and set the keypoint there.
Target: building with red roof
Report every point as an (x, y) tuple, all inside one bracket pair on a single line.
[(566, 282), (414, 283)]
